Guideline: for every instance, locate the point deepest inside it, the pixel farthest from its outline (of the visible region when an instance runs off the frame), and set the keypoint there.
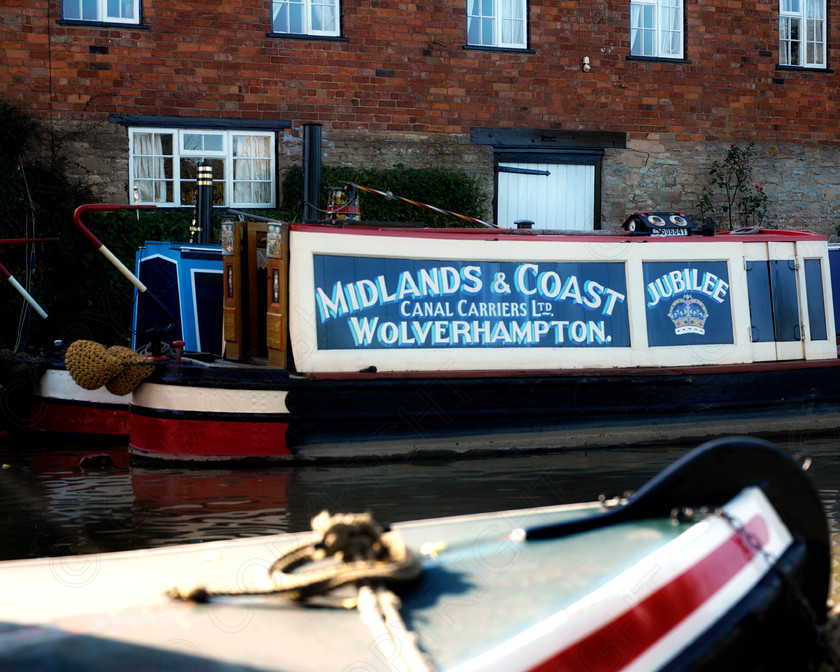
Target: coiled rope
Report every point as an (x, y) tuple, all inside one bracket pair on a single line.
[(362, 553), (119, 369)]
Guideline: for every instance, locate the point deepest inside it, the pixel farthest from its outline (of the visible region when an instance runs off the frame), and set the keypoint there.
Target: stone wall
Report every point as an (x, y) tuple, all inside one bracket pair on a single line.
[(802, 181)]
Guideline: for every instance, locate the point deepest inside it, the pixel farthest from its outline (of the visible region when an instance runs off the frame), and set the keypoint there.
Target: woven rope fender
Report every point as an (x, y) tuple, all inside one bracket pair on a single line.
[(360, 551), (135, 369), (89, 364)]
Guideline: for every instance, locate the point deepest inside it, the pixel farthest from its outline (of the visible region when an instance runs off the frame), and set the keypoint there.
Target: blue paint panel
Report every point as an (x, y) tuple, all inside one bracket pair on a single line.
[(687, 303), (816, 299), (168, 269), (834, 272), (761, 302), (372, 302)]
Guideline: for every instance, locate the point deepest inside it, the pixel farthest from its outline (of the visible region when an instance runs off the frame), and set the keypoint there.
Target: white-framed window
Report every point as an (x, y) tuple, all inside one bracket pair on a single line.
[(802, 29), (656, 28), (305, 17), (163, 166), (102, 11), (497, 23)]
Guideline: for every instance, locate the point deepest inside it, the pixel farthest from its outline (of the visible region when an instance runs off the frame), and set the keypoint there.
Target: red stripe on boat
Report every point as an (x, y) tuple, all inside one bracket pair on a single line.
[(206, 439), (622, 640), (78, 418)]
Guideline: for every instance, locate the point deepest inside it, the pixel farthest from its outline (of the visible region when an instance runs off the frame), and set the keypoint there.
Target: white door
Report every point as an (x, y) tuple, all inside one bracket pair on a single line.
[(563, 199)]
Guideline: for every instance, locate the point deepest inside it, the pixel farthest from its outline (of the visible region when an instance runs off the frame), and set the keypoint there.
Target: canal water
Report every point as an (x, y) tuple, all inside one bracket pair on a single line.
[(62, 500)]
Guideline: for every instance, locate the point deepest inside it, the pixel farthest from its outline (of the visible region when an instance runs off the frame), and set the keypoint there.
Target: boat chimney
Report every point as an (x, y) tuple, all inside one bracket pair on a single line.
[(524, 224), (311, 172), (204, 202)]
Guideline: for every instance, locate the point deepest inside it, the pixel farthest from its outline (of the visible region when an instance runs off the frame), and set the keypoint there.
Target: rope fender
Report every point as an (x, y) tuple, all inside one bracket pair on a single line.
[(364, 552), (118, 368)]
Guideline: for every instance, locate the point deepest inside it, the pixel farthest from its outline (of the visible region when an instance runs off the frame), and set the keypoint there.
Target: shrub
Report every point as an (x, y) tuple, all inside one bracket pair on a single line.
[(448, 190), (744, 202)]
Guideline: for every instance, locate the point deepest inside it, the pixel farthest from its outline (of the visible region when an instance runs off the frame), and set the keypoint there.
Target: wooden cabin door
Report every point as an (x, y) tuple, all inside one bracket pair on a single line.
[(776, 319)]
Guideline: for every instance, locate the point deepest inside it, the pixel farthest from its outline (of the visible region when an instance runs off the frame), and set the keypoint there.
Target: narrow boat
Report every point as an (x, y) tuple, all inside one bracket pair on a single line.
[(351, 341), (722, 562)]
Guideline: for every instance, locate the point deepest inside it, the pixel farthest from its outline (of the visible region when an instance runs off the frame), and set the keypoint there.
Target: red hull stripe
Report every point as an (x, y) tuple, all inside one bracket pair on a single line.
[(622, 640), (207, 438), (79, 418)]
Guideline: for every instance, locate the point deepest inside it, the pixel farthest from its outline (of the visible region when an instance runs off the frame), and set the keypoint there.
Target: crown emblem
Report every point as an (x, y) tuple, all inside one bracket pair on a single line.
[(688, 315)]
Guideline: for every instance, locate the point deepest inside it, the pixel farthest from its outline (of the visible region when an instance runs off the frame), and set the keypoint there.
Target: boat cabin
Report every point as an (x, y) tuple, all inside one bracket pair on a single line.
[(345, 297)]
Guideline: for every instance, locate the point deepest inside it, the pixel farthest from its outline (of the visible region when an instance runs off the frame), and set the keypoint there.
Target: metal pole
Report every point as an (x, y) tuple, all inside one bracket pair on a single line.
[(311, 173), (204, 202)]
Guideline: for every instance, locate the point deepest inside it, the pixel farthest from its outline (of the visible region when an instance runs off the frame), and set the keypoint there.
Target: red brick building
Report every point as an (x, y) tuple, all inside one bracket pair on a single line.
[(624, 104)]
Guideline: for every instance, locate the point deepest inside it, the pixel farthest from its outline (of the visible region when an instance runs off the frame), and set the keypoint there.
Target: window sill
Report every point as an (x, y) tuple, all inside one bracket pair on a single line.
[(516, 50), (303, 36), (104, 24), (803, 68), (657, 59)]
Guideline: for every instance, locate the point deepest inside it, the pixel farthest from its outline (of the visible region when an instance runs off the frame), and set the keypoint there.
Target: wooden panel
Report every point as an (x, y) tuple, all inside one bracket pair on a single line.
[(232, 288), (278, 294)]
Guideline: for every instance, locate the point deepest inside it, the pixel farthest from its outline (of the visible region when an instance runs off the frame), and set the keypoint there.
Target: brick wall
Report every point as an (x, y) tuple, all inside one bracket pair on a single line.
[(400, 78)]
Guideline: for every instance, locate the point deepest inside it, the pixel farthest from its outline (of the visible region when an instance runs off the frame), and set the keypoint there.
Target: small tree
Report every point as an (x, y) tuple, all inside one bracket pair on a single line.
[(744, 201)]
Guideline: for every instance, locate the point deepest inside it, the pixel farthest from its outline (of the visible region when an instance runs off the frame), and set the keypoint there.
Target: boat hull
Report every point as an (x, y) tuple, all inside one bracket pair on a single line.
[(251, 413), (60, 407)]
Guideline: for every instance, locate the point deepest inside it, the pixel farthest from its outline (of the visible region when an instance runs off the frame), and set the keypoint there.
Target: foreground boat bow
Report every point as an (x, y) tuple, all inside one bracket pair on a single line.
[(722, 562)]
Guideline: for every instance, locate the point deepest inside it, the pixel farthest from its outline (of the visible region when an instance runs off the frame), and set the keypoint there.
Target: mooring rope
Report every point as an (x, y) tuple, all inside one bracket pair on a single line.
[(366, 555)]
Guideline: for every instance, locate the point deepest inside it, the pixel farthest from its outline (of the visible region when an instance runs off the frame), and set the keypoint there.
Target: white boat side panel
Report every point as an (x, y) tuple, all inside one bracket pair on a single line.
[(209, 399), (58, 384), (620, 595), (303, 317)]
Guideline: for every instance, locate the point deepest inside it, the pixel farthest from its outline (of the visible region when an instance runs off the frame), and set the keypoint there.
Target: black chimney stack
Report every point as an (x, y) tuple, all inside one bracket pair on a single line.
[(311, 173)]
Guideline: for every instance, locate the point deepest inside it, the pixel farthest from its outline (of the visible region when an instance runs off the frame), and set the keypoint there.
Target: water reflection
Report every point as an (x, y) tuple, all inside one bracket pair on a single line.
[(58, 501)]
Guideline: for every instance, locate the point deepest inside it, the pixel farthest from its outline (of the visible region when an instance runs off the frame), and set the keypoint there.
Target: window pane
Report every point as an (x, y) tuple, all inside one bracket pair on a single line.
[(152, 168), (71, 9), (119, 10), (473, 31), (280, 17), (323, 16), (213, 143), (192, 142), (487, 31), (296, 18), (90, 10), (642, 30), (189, 173)]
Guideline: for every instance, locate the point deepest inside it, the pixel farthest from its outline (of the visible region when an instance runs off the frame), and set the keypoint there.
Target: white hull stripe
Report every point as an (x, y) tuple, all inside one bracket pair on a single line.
[(209, 399)]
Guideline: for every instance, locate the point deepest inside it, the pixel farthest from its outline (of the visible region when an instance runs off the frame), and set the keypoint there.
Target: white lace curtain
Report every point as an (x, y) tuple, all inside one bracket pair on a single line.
[(150, 168), (251, 169)]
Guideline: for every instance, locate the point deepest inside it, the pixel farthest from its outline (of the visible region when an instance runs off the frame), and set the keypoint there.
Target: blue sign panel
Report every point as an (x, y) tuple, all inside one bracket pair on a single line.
[(687, 303), (369, 302)]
